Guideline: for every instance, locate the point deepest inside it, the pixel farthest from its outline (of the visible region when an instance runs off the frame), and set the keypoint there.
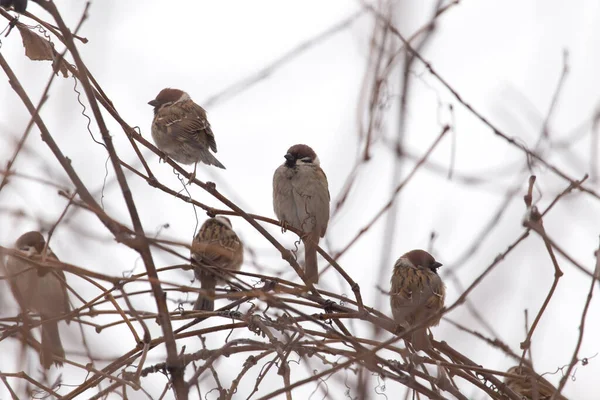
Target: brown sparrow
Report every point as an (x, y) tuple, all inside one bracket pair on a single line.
[(301, 200), (215, 245), (180, 129), (40, 290), (530, 383), (417, 292)]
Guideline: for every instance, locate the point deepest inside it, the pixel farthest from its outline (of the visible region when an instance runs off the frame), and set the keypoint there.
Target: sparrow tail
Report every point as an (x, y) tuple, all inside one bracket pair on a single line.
[(206, 300), (311, 268), (420, 340), (51, 345), (209, 159)]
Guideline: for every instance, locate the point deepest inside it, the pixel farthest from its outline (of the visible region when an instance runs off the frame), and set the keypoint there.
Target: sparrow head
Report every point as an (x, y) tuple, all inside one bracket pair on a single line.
[(522, 369), (529, 382), (421, 258), (168, 96), (224, 220), (213, 226), (515, 370), (31, 242), (302, 153)]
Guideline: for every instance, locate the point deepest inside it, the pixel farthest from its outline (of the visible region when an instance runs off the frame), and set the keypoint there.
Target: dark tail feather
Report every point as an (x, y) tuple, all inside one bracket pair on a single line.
[(206, 300), (210, 159), (311, 268), (51, 345), (420, 340)]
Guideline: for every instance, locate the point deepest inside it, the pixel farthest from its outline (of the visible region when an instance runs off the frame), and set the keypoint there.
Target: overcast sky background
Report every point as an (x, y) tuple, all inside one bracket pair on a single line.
[(503, 57)]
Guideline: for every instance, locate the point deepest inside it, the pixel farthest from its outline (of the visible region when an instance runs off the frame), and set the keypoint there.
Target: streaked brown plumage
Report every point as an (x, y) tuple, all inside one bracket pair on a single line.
[(530, 385), (40, 290), (215, 245), (181, 130), (301, 200), (417, 292)]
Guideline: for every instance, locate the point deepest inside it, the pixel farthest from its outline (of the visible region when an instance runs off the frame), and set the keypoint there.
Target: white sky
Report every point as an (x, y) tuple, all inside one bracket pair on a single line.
[(503, 57)]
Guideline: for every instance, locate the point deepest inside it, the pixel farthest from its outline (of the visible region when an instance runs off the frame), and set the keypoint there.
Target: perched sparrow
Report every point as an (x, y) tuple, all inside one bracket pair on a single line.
[(301, 200), (531, 385), (180, 129), (417, 292), (215, 245), (41, 290)]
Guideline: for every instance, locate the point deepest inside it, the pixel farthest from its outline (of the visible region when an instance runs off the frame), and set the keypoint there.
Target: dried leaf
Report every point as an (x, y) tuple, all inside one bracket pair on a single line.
[(39, 48), (36, 48)]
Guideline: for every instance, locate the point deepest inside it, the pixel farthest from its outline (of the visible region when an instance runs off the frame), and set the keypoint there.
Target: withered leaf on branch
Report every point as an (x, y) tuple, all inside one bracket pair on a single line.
[(39, 48)]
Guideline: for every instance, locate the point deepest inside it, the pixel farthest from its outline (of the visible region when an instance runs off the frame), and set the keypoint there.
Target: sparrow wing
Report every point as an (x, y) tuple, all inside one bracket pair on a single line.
[(311, 197), (188, 120), (22, 278), (283, 199), (525, 386), (59, 274), (52, 298), (325, 198)]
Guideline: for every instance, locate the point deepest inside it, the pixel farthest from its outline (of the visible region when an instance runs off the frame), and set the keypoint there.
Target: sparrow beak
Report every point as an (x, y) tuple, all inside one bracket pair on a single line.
[(289, 157), (153, 103), (436, 265)]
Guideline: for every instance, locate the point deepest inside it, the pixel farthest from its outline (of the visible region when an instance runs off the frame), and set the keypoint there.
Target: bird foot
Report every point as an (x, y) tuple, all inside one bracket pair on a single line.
[(284, 226), (192, 177)]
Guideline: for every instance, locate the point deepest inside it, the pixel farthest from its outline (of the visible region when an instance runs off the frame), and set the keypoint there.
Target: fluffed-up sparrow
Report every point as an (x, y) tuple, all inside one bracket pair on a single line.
[(530, 385), (301, 200), (215, 245), (40, 290), (417, 292)]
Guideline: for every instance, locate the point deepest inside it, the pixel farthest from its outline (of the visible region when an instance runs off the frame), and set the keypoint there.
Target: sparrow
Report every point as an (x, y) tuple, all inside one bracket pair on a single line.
[(417, 292), (215, 245), (531, 385), (180, 129), (40, 290), (301, 200)]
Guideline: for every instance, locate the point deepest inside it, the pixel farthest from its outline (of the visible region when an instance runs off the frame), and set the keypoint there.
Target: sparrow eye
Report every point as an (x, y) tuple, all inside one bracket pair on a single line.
[(306, 160)]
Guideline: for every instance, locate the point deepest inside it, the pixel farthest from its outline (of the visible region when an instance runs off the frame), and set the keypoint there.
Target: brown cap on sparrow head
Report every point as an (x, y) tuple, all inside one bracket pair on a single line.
[(215, 245), (301, 200), (181, 130), (530, 385), (43, 292), (417, 292)]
